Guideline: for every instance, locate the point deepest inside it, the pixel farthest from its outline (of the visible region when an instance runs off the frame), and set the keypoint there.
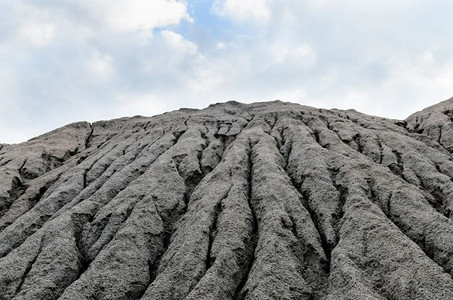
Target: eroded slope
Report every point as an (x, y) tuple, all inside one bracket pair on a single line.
[(261, 201)]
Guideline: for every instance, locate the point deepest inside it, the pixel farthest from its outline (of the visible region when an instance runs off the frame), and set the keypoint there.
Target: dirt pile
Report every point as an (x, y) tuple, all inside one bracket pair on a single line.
[(261, 201)]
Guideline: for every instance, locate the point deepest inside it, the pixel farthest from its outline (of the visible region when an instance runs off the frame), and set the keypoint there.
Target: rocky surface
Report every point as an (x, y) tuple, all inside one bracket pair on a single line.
[(262, 201)]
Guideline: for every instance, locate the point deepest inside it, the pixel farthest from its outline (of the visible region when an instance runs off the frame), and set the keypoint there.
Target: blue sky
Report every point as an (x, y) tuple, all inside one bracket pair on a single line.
[(69, 60)]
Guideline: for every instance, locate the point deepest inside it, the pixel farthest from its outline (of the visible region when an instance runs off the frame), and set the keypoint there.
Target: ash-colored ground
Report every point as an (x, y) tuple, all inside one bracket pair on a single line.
[(261, 201)]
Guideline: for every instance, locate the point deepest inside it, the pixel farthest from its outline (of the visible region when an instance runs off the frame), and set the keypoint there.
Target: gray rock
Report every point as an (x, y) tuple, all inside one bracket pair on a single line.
[(236, 201)]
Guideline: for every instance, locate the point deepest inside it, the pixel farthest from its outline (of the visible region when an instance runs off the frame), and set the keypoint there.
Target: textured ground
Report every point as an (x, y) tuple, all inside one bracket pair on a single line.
[(263, 201)]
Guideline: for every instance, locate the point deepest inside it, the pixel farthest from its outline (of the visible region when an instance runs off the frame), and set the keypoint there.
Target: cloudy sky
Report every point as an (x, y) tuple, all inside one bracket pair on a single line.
[(68, 60)]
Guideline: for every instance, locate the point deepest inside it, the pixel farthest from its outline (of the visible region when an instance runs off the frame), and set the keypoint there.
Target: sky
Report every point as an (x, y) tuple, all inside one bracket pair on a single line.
[(63, 61)]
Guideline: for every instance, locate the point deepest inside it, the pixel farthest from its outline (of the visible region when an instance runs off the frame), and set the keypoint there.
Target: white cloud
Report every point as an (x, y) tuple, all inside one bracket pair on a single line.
[(94, 50), (32, 28), (361, 6), (7, 92), (426, 58), (125, 15), (101, 66), (379, 57), (39, 22), (301, 54), (409, 86), (178, 43), (141, 104), (250, 10), (37, 34)]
